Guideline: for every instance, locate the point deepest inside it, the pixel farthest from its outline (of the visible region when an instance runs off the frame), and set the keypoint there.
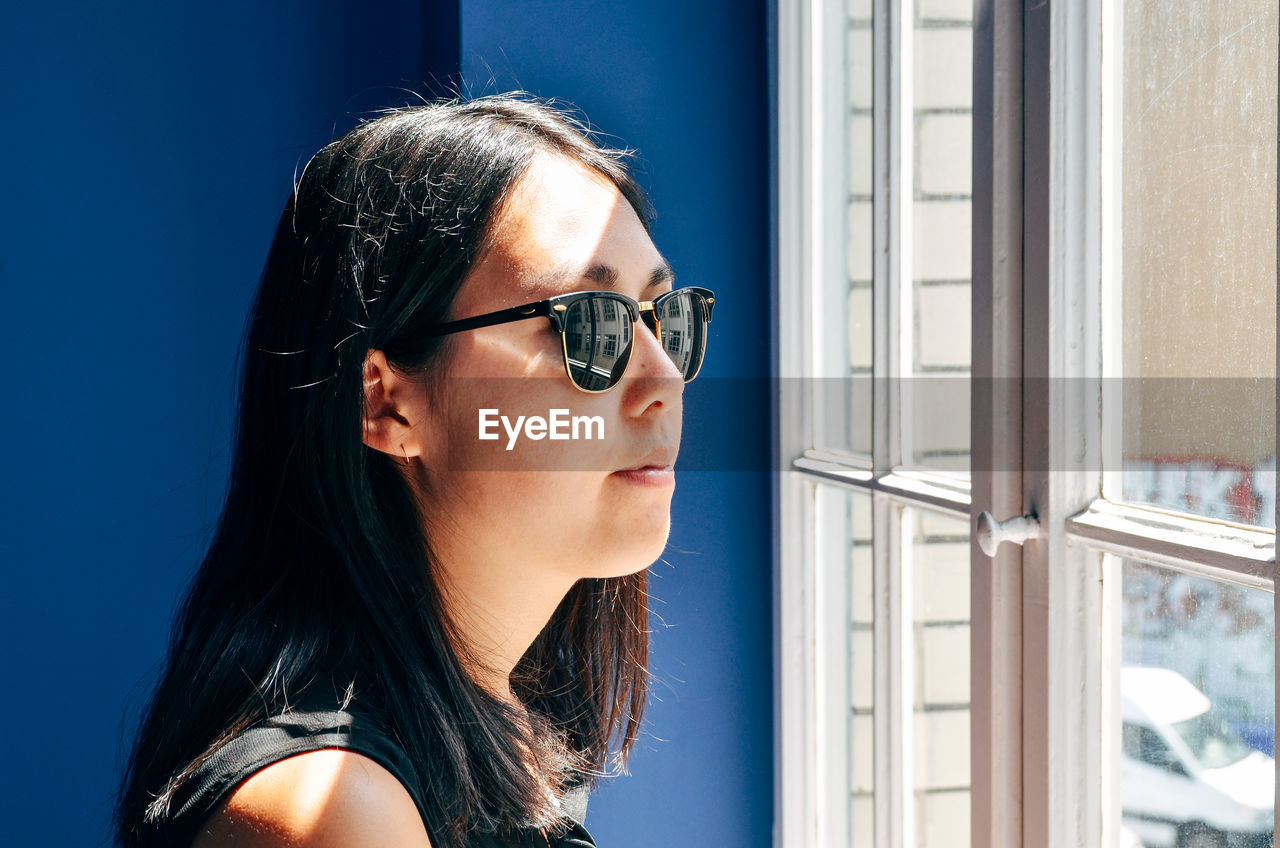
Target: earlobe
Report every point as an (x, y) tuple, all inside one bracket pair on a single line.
[(386, 427)]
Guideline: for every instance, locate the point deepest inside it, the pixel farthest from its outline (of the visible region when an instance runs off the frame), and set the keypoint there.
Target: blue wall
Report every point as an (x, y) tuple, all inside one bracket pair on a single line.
[(148, 151)]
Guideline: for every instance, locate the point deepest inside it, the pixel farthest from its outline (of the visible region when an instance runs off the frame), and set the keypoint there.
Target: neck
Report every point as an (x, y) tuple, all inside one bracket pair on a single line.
[(498, 607)]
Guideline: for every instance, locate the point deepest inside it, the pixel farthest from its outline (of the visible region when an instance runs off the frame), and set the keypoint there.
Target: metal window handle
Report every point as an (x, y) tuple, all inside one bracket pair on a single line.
[(1017, 530)]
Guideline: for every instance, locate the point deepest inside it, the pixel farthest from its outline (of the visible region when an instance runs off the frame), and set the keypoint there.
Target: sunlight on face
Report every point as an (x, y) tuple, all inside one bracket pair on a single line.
[(574, 507)]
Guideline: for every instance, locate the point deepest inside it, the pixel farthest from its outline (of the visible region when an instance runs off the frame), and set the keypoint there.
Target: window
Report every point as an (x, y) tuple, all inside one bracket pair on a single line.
[(1027, 291)]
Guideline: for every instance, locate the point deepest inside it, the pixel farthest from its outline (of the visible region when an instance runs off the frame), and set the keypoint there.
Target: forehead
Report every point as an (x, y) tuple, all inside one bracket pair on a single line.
[(561, 218)]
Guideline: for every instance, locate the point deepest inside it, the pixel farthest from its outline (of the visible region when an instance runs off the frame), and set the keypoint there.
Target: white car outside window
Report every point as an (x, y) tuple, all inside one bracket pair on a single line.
[(1187, 779)]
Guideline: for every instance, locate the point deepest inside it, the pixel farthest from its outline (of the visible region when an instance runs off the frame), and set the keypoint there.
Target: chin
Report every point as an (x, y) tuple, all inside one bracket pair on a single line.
[(637, 555)]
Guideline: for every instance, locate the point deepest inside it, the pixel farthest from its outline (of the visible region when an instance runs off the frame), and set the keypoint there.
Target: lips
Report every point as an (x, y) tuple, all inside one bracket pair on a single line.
[(660, 459)]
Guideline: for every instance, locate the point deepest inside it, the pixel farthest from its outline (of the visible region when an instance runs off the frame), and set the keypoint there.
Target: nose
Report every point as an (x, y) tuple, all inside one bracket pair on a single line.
[(652, 382)]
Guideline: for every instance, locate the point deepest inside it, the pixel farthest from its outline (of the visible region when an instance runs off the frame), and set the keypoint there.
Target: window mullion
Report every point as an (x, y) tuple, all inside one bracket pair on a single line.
[(996, 425), (797, 794), (832, 614), (892, 711), (1065, 658), (886, 237), (891, 199), (1276, 453)]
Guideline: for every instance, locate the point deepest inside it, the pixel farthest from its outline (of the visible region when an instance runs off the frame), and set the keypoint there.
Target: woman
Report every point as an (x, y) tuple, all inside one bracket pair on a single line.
[(409, 631)]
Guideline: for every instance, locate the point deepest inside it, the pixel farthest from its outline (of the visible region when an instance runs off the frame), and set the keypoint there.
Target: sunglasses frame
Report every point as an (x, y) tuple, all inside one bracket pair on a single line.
[(556, 308)]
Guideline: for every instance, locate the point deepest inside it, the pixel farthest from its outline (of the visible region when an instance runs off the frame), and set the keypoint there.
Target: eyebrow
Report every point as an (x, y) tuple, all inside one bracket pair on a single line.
[(606, 276)]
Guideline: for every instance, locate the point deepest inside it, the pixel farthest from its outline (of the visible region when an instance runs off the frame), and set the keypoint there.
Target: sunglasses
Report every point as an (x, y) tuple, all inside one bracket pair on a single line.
[(596, 330)]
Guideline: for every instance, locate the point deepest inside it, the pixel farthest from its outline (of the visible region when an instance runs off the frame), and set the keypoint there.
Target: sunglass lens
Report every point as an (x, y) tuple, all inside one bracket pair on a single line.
[(597, 342), (684, 331)]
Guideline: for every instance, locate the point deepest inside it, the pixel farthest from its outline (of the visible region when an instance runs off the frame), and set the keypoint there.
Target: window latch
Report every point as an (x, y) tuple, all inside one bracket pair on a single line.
[(1017, 530)]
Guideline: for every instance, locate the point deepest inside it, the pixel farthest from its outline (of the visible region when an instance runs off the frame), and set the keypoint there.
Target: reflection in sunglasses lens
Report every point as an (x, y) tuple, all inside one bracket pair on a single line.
[(597, 342), (683, 332)]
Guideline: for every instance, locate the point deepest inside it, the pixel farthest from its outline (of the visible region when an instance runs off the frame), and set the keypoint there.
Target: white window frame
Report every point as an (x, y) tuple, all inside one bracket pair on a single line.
[(1043, 677)]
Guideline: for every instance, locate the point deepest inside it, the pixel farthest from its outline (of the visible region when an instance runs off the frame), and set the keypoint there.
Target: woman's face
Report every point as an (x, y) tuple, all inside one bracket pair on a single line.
[(577, 506)]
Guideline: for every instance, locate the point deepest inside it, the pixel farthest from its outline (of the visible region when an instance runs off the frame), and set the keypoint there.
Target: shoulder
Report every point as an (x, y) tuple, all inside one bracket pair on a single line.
[(320, 799)]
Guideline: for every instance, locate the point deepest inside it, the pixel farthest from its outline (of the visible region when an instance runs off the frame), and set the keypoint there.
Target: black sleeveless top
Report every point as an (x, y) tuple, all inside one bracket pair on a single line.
[(299, 731)]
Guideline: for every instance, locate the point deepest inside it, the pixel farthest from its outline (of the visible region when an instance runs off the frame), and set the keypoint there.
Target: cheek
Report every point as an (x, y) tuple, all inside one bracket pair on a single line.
[(519, 349), (529, 515), (579, 524), (529, 424)]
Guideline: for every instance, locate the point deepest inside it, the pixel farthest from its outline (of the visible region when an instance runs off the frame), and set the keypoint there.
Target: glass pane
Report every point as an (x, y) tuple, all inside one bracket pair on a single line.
[(1197, 256), (860, 218), (937, 560), (1197, 684), (862, 727), (935, 422), (845, 598)]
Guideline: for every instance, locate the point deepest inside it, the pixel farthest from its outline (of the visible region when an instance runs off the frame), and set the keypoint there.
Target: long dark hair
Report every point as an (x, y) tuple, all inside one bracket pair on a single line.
[(318, 576)]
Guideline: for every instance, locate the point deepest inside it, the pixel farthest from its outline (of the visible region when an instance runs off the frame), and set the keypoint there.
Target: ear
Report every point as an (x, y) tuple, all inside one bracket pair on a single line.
[(394, 409)]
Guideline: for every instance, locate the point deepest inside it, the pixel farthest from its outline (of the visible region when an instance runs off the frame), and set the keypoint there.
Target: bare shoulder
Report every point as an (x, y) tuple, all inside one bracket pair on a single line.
[(320, 799)]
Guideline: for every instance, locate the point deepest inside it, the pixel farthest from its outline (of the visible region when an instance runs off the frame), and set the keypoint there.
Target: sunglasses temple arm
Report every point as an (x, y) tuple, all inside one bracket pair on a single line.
[(541, 309)]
